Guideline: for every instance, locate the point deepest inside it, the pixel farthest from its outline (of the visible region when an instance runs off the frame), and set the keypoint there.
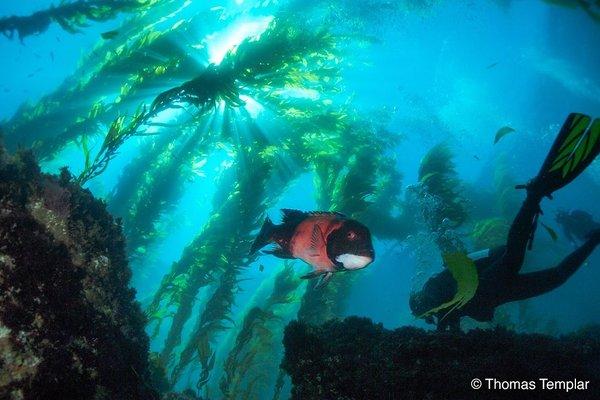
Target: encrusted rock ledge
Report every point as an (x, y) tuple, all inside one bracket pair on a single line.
[(69, 325), (357, 359)]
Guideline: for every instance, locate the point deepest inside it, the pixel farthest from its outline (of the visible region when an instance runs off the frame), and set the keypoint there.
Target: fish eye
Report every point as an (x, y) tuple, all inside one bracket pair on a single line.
[(351, 235)]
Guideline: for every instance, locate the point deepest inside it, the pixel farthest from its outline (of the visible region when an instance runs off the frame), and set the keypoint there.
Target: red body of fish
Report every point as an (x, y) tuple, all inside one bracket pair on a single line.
[(328, 241), (301, 243)]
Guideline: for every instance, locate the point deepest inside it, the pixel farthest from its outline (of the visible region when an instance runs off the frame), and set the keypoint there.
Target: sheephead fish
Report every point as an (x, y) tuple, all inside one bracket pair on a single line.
[(328, 241)]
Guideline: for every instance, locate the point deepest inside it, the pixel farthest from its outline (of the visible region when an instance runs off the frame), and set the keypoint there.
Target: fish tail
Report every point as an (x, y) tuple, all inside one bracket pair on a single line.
[(264, 236)]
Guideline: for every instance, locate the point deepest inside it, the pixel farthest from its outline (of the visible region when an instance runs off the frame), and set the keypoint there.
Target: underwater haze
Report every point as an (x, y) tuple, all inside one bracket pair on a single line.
[(195, 120)]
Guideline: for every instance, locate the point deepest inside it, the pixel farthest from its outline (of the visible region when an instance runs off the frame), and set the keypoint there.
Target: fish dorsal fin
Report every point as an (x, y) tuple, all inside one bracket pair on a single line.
[(331, 213), (293, 217), (317, 240)]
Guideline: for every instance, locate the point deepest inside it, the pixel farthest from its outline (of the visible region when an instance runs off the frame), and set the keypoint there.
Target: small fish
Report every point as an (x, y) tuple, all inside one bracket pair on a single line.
[(551, 232), (475, 156), (328, 241), (52, 56), (110, 34), (34, 72), (492, 65), (505, 130), (261, 268)]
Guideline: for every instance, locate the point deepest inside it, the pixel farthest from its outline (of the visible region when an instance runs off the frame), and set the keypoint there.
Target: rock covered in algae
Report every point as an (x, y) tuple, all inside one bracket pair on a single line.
[(357, 359), (69, 325), (187, 394)]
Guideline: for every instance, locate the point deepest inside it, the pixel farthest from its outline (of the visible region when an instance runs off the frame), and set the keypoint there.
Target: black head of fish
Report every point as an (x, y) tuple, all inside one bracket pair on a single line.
[(350, 246)]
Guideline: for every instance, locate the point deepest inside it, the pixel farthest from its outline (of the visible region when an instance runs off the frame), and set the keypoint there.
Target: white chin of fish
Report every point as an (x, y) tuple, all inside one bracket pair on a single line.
[(352, 261)]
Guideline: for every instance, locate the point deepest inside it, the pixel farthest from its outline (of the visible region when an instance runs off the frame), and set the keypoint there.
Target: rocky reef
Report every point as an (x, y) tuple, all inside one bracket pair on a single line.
[(357, 359), (69, 325)]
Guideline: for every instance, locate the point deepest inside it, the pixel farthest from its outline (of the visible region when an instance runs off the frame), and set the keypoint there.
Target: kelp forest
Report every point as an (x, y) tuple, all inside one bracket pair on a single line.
[(193, 121)]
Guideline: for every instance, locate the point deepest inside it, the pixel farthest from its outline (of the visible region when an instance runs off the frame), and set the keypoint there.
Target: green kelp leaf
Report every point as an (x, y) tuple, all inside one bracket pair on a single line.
[(464, 271), (161, 314), (505, 130), (181, 281), (86, 152), (550, 231)]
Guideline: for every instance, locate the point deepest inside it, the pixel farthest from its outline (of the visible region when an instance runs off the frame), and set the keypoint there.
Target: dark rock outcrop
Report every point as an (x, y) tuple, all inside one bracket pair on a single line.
[(69, 325), (356, 359)]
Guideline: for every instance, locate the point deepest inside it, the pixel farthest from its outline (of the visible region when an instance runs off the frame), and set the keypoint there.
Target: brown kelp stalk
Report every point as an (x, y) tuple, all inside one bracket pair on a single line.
[(134, 172), (247, 369), (213, 319), (210, 254), (160, 185), (178, 287), (225, 239)]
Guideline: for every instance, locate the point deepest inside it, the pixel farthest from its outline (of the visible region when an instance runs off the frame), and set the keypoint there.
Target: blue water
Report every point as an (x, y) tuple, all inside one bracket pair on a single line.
[(453, 72)]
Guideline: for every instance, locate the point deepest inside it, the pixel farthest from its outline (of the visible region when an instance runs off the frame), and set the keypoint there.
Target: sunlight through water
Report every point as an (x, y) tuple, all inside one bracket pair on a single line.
[(219, 43)]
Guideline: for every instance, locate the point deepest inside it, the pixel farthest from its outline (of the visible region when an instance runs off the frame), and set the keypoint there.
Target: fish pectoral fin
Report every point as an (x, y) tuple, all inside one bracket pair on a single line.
[(312, 275), (317, 240), (324, 280)]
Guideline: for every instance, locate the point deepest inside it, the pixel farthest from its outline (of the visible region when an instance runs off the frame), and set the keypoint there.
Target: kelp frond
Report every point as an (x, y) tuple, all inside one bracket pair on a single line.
[(245, 368), (438, 178), (118, 133), (257, 63), (205, 91), (274, 59), (279, 58), (210, 322), (71, 16), (464, 272)]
